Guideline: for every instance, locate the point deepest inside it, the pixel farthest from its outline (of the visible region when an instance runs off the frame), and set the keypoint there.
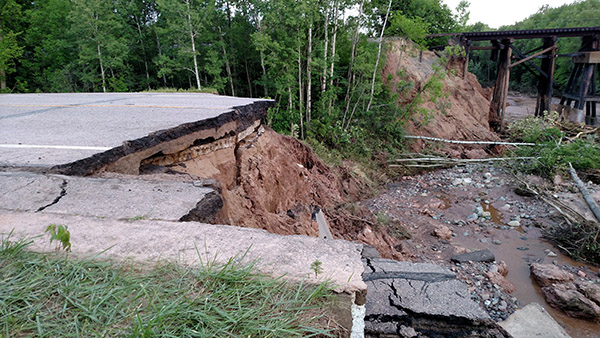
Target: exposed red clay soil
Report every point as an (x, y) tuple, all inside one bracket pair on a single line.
[(460, 114), (271, 181)]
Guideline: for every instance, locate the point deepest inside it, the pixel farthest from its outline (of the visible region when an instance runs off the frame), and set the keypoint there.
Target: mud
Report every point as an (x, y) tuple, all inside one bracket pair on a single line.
[(275, 182)]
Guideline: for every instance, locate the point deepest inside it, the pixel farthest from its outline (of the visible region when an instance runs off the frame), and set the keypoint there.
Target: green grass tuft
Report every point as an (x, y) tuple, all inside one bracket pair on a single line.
[(45, 295)]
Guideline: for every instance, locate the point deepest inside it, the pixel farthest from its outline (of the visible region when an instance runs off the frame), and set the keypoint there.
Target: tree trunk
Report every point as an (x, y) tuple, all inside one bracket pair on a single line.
[(352, 56), (227, 68), (2, 71), (309, 78), (101, 68), (248, 78), (387, 13), (333, 38), (160, 53), (300, 94), (139, 29), (325, 51), (192, 36)]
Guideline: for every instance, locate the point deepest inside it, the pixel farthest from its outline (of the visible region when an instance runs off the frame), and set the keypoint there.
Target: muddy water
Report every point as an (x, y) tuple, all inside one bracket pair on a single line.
[(517, 260)]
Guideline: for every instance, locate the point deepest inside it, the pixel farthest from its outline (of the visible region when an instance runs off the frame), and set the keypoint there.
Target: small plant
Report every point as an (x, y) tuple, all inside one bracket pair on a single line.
[(317, 267), (61, 234)]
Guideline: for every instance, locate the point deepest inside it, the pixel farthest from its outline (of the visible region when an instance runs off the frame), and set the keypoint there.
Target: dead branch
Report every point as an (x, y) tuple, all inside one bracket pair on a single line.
[(462, 160), (586, 195), (436, 139)]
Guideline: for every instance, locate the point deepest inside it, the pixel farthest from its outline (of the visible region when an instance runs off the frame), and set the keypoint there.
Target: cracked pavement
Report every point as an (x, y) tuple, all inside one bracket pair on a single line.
[(118, 198), (423, 296)]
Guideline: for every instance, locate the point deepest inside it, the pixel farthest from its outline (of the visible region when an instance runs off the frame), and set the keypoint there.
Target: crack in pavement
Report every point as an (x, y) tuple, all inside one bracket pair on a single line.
[(431, 277), (63, 192)]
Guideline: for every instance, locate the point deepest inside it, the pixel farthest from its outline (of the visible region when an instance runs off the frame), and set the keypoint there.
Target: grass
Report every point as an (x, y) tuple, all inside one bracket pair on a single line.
[(44, 295)]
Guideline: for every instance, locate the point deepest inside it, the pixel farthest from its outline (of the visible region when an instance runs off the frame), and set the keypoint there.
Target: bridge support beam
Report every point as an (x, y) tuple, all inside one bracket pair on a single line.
[(545, 82), (498, 105)]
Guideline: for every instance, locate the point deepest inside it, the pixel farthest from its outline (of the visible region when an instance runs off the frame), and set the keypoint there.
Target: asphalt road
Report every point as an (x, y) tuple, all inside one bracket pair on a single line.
[(49, 129)]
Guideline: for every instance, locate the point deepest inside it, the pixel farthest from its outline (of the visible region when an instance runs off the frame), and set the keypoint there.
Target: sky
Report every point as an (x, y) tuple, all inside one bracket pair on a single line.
[(505, 12)]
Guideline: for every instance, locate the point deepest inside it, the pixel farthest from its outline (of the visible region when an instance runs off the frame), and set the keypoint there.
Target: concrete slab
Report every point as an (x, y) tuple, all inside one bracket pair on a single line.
[(425, 297), (533, 321), (146, 240), (47, 130), (99, 197)]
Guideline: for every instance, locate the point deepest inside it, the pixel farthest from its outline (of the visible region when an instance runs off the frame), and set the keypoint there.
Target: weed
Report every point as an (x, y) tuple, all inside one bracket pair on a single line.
[(317, 267), (61, 234)]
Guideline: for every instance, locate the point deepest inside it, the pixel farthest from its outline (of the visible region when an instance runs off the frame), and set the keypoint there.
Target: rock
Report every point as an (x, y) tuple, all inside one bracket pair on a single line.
[(581, 274), (574, 303), (523, 248), (533, 321), (548, 274), (590, 290), (513, 224), (497, 242), (479, 211), (483, 240), (442, 232), (407, 332), (502, 268), (486, 214), (457, 181), (475, 256), (497, 278), (550, 253), (472, 217), (467, 180)]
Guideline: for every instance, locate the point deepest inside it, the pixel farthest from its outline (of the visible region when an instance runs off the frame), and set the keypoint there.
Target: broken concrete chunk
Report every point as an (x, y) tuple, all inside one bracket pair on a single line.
[(406, 299), (475, 256), (533, 321)]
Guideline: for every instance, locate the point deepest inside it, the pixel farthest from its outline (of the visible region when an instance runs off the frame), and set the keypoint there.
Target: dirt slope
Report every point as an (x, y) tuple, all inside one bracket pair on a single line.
[(460, 114), (274, 182)]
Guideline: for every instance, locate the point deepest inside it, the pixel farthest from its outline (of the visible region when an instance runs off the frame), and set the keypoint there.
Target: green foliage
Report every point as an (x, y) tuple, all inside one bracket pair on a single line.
[(414, 29), (45, 296), (533, 129), (60, 233), (317, 267)]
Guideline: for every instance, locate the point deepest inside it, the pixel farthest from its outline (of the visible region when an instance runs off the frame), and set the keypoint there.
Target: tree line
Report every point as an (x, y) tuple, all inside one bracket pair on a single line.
[(319, 59)]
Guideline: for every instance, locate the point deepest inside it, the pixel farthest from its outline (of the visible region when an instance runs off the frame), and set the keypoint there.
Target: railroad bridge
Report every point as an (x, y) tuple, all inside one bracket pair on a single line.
[(580, 95)]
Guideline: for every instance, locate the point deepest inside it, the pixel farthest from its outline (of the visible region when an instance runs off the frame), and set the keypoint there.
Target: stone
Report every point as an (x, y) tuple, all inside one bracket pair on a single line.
[(457, 181), (533, 321), (523, 248), (442, 232), (467, 180), (497, 242), (574, 303), (498, 279), (581, 274), (548, 274), (513, 224), (590, 290), (475, 256), (502, 268), (487, 176)]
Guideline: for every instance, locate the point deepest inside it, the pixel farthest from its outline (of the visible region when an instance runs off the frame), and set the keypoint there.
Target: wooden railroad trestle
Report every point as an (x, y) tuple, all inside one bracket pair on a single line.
[(583, 87)]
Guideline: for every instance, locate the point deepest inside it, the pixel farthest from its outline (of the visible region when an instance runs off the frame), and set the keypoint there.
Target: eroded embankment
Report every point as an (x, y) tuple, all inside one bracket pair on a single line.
[(275, 182)]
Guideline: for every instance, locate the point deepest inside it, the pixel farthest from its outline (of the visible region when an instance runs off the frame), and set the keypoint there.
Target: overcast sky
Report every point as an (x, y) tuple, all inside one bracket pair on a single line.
[(504, 12)]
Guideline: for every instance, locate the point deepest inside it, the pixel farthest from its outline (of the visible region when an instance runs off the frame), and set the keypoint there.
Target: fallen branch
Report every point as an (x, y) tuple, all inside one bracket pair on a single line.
[(436, 139), (463, 160), (586, 195)]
